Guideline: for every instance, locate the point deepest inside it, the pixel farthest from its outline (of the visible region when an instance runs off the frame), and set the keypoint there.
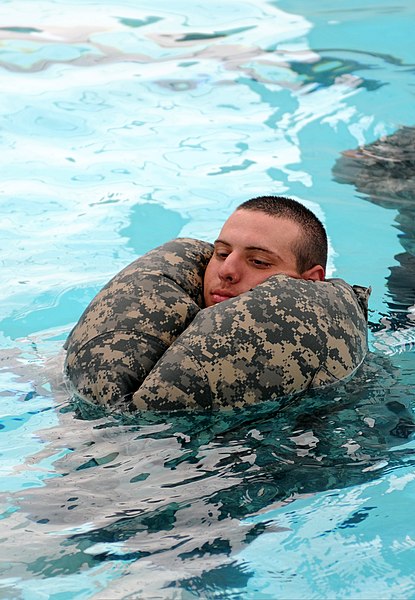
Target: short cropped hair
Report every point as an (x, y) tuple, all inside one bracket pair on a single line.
[(311, 248)]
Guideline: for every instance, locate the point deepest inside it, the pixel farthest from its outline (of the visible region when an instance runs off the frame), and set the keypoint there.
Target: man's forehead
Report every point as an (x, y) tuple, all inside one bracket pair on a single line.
[(254, 221), (260, 247), (256, 230)]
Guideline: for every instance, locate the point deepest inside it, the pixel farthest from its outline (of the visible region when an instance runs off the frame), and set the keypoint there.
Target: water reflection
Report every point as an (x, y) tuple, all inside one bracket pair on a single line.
[(167, 497), (384, 173), (172, 491), (327, 70), (151, 225)]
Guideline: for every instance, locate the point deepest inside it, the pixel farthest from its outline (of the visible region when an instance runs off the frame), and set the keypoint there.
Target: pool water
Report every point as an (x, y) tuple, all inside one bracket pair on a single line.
[(124, 125)]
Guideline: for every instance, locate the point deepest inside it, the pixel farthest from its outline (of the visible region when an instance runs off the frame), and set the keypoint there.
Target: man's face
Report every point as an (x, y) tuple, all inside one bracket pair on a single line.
[(251, 247)]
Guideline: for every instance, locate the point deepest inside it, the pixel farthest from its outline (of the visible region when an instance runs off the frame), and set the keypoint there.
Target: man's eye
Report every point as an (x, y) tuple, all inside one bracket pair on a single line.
[(262, 264), (221, 254)]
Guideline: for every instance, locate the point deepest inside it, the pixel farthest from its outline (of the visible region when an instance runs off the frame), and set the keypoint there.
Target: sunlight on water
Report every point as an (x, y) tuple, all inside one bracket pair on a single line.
[(123, 127)]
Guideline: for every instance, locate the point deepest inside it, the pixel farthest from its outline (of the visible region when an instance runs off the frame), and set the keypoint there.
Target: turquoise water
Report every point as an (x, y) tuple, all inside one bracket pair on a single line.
[(124, 125)]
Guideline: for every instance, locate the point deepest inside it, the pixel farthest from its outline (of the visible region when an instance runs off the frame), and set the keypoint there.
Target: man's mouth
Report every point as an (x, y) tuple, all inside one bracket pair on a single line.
[(220, 295)]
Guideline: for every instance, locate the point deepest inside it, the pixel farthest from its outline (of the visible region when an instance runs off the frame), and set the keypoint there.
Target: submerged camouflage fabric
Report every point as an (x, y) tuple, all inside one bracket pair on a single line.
[(284, 337), (134, 319)]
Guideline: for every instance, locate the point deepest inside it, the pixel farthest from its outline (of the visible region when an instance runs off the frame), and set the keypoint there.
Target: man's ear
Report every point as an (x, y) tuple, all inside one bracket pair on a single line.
[(316, 273)]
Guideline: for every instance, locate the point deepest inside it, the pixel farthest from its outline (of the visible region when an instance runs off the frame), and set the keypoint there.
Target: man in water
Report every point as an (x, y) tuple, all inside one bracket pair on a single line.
[(291, 334), (265, 236), (113, 350)]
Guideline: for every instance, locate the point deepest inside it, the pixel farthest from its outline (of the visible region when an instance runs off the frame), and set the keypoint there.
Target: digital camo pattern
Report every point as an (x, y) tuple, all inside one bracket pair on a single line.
[(284, 337), (134, 319)]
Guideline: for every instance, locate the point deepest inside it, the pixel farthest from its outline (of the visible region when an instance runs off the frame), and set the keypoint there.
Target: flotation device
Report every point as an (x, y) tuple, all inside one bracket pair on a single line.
[(133, 320), (144, 342)]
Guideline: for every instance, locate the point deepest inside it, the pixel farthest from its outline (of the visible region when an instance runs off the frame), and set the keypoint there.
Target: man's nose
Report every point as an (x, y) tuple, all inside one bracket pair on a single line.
[(230, 269)]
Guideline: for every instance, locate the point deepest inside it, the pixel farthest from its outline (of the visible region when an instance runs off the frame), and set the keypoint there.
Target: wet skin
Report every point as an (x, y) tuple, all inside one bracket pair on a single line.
[(250, 248)]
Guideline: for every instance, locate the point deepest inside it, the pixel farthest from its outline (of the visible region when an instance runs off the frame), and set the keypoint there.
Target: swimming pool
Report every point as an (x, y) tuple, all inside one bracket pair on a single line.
[(124, 125)]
